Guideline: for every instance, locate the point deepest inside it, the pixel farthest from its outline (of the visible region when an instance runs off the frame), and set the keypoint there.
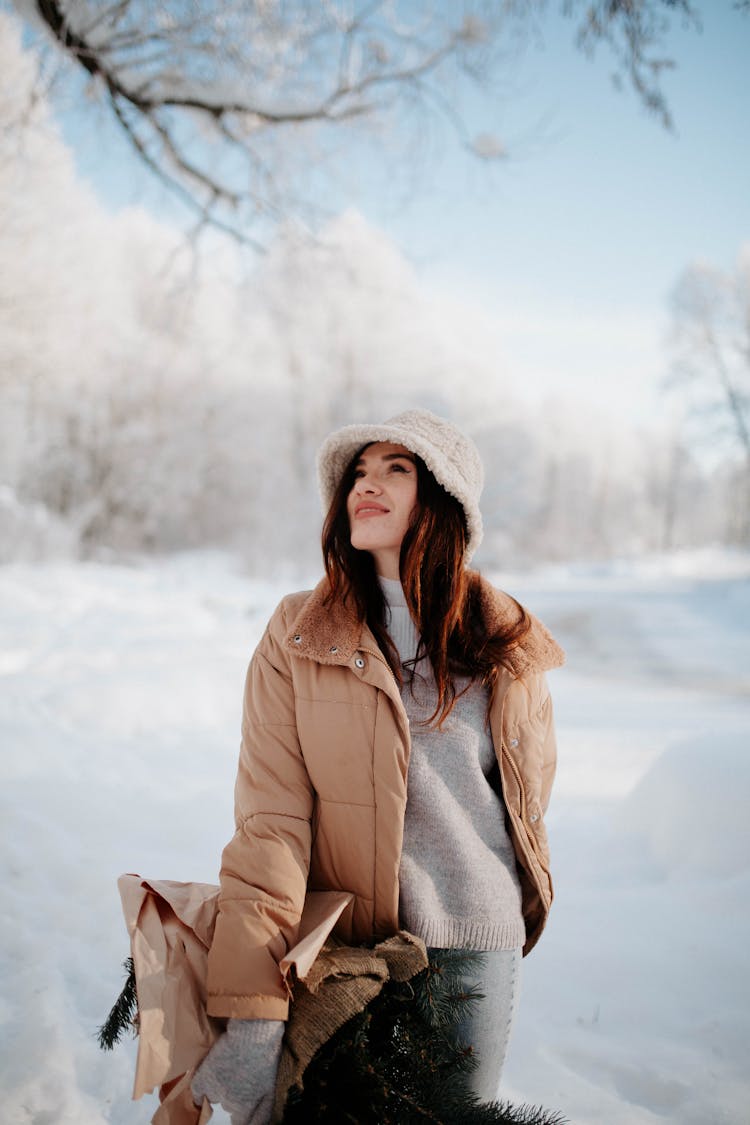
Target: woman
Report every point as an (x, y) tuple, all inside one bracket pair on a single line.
[(397, 743)]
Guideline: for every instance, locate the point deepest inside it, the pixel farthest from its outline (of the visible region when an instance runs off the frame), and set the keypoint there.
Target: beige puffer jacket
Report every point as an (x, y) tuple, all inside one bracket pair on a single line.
[(321, 790)]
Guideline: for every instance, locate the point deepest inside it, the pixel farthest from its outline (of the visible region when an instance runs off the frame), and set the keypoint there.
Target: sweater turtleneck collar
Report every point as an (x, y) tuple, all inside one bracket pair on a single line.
[(399, 623), (392, 592)]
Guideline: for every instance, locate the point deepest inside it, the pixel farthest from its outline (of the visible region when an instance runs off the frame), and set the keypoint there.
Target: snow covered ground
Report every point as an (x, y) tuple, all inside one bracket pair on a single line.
[(119, 706)]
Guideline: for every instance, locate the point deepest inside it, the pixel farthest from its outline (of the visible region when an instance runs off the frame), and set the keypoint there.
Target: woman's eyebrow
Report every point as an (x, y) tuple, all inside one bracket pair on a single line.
[(391, 457)]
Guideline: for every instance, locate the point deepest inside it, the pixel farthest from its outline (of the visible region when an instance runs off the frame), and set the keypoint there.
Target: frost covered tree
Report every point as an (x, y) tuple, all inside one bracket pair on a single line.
[(241, 106), (711, 365), (108, 378), (132, 383), (150, 399)]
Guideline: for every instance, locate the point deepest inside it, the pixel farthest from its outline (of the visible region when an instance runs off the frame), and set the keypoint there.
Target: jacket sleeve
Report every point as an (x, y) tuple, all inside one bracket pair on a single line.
[(548, 743), (265, 866), (531, 722)]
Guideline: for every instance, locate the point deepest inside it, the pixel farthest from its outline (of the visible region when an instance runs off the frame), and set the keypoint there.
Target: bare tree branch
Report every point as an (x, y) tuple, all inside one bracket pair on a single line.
[(200, 87), (633, 30)]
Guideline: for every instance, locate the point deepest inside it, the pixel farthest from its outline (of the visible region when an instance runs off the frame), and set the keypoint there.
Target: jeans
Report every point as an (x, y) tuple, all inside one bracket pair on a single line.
[(487, 1028)]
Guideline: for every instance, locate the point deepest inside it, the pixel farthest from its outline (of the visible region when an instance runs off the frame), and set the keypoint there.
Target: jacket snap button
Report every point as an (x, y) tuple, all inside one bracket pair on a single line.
[(513, 742), (297, 639), (534, 817), (334, 648), (359, 662)]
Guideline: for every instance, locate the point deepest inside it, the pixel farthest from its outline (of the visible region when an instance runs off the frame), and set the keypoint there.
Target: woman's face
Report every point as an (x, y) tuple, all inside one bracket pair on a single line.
[(381, 502)]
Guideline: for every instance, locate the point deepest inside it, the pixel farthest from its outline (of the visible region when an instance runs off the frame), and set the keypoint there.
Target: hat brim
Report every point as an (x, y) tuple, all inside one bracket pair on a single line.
[(340, 447)]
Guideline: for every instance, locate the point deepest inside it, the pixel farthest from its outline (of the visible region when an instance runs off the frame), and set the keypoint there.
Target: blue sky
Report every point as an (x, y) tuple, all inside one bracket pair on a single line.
[(567, 249), (574, 246), (602, 190)]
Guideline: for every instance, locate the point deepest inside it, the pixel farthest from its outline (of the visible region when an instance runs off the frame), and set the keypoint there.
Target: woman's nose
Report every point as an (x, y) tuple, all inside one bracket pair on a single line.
[(366, 484)]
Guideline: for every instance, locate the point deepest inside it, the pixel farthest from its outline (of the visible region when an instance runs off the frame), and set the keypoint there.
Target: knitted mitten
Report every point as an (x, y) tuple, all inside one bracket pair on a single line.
[(239, 1071)]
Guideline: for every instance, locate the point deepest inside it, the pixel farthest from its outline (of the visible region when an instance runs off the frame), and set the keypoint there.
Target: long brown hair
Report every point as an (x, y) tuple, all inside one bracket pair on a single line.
[(442, 595)]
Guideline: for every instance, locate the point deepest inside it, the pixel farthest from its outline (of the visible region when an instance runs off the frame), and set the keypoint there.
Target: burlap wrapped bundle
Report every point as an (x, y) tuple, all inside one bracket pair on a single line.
[(341, 983), (171, 925)]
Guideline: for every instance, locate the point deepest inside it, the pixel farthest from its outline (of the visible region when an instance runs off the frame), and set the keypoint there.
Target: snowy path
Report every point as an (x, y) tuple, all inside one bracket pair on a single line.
[(119, 706)]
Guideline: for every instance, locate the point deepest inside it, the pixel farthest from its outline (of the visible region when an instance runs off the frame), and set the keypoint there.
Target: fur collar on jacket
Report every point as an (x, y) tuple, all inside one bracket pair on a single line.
[(331, 634)]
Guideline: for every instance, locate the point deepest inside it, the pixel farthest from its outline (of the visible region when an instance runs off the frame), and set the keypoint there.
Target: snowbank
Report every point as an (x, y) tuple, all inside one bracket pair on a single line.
[(690, 811)]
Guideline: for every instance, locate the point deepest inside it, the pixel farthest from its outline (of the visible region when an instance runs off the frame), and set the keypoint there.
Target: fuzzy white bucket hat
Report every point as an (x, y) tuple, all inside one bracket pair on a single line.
[(451, 457)]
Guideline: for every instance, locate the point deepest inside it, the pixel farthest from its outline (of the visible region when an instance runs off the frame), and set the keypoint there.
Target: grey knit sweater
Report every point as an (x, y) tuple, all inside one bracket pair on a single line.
[(458, 881)]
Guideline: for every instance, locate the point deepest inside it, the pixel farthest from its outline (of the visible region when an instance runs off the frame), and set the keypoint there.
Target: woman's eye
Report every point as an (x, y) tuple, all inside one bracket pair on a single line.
[(399, 468)]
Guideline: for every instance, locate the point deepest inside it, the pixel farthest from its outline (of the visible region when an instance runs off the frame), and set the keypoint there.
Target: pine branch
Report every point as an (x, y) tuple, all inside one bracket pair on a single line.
[(124, 1012), (399, 1062), (527, 1115), (444, 994), (396, 1063)]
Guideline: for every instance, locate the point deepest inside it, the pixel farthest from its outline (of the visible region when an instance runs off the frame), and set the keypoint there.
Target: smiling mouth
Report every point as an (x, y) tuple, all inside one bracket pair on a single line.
[(370, 511)]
